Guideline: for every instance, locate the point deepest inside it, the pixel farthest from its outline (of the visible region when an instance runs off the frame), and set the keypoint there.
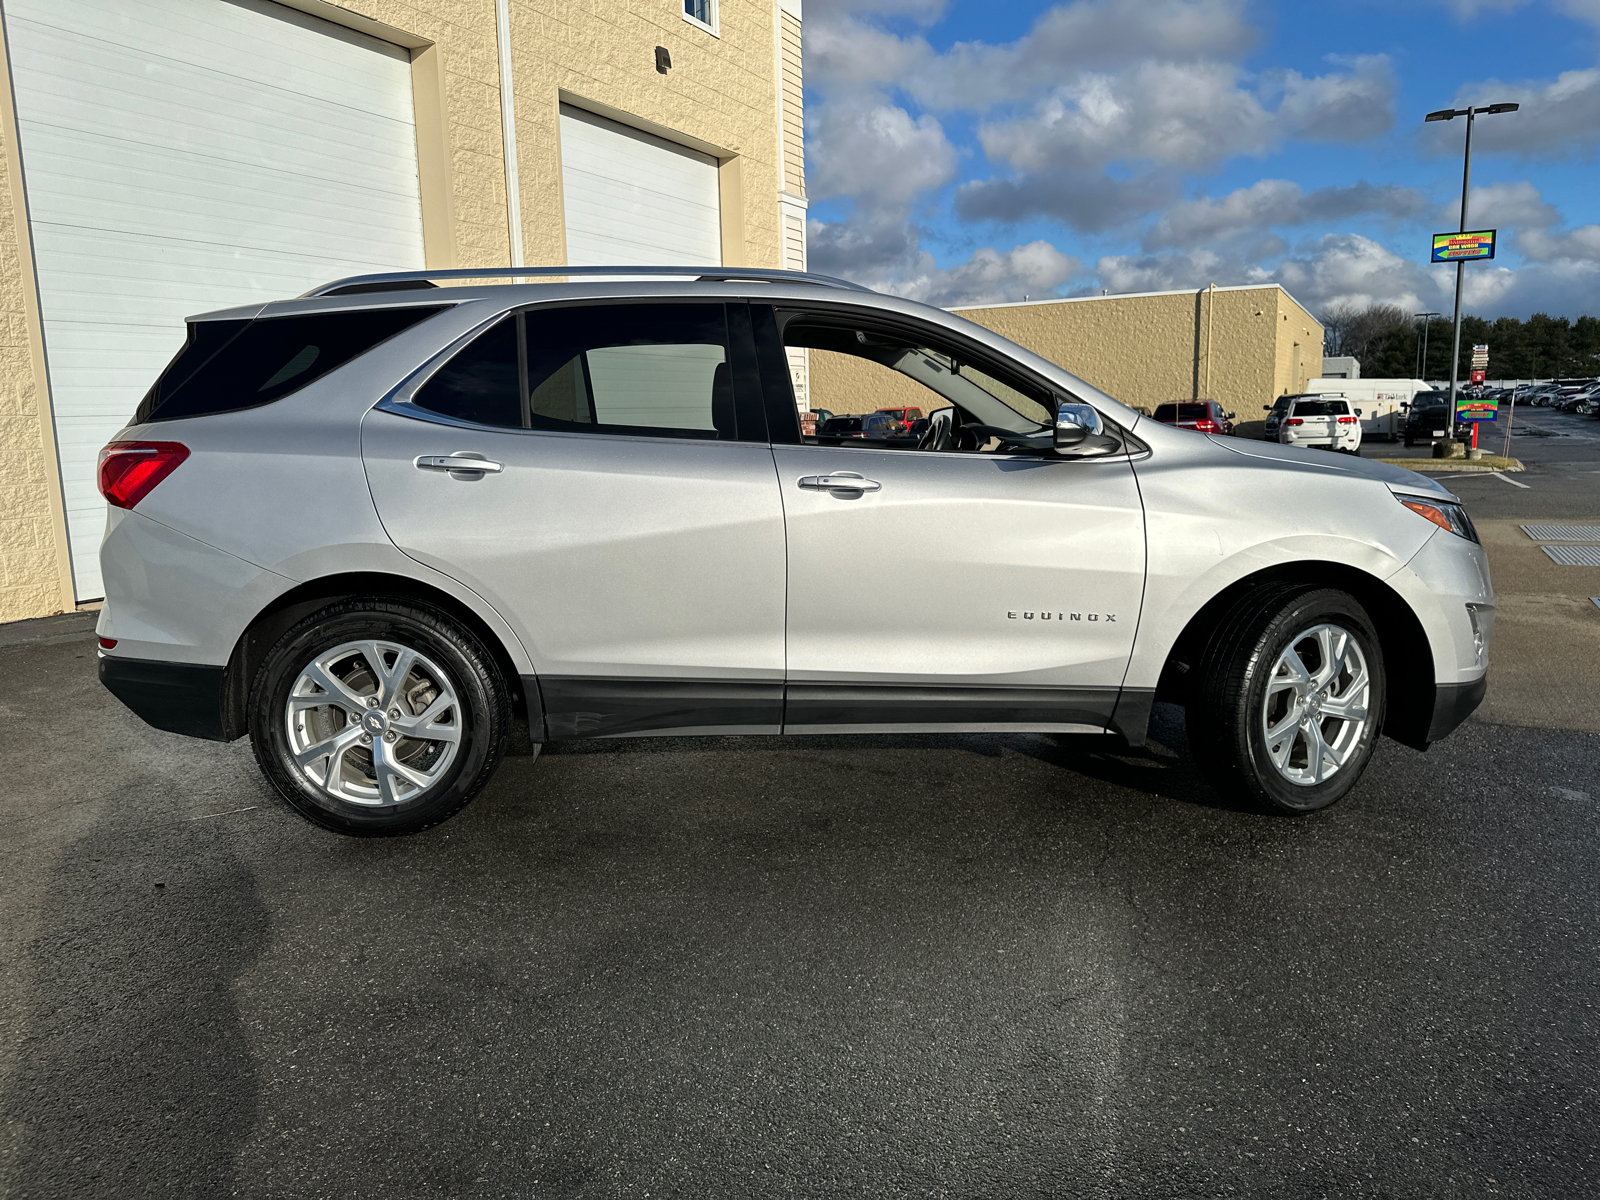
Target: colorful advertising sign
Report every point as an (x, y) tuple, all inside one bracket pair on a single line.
[(1476, 410), (1463, 247)]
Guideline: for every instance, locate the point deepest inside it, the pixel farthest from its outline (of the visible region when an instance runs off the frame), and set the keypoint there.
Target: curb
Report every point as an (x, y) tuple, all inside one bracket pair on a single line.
[(1452, 464)]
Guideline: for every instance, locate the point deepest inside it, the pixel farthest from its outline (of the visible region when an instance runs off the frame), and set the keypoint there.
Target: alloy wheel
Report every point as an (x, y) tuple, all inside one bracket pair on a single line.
[(374, 723), (1316, 707)]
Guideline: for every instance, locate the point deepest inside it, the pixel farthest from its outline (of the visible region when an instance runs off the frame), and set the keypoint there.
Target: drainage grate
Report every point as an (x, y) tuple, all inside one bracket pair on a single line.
[(1574, 556), (1563, 533)]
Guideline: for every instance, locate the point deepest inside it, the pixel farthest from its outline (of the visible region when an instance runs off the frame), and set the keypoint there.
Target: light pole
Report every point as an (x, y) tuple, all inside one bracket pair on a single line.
[(1427, 319), (1450, 114)]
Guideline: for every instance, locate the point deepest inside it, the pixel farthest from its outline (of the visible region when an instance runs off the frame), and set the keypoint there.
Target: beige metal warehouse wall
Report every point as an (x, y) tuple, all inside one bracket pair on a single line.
[(35, 574), (1242, 346), (722, 97)]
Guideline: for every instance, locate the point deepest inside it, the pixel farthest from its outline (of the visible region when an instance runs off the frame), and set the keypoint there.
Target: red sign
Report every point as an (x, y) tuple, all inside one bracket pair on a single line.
[(1478, 376)]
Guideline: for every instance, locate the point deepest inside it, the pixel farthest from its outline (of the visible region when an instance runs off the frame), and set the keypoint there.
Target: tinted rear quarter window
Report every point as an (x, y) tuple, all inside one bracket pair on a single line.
[(230, 365)]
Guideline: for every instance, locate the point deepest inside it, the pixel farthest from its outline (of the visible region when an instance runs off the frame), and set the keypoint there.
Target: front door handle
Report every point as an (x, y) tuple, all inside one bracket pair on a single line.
[(462, 462), (840, 481)]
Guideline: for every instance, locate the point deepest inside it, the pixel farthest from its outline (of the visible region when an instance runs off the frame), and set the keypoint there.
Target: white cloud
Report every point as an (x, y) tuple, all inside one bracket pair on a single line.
[(1467, 10), (1089, 201), (1270, 202), (1357, 270), (877, 154), (1189, 115), (1559, 118), (886, 254), (1070, 38), (1500, 206), (1340, 107)]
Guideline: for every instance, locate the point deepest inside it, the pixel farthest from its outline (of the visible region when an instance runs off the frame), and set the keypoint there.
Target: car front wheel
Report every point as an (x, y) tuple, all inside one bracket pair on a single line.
[(375, 718), (1289, 702)]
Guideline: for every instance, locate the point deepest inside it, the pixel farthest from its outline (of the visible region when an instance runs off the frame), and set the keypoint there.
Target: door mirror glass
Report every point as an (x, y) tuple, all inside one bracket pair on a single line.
[(1074, 424), (1358, 412)]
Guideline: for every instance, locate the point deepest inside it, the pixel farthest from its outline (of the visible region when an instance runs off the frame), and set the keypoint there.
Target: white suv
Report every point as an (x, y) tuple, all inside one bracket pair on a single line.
[(1324, 422), (394, 532)]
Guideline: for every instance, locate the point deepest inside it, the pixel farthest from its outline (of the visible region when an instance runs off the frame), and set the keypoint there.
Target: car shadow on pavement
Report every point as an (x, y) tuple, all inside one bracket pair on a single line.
[(133, 1074), (1162, 767)]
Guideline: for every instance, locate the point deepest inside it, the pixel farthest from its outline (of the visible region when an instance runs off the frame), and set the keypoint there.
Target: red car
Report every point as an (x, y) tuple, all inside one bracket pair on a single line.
[(1205, 416), (906, 416)]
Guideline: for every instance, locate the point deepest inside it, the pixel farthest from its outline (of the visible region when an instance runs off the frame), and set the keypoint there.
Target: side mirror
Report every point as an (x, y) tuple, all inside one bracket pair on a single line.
[(1358, 412), (1232, 416), (1266, 408), (1074, 423)]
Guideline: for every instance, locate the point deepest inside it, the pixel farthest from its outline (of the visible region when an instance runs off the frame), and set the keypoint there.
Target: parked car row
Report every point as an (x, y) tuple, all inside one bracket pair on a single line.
[(1581, 396)]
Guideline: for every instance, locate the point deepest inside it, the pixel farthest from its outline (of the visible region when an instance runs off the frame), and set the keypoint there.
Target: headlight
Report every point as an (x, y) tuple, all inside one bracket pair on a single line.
[(1443, 514)]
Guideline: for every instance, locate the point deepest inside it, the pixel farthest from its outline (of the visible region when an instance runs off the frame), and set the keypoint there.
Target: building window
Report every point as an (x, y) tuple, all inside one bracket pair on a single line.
[(702, 13)]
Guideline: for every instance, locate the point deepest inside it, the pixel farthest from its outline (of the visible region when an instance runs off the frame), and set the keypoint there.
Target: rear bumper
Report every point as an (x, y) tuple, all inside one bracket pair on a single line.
[(184, 698), (1453, 703)]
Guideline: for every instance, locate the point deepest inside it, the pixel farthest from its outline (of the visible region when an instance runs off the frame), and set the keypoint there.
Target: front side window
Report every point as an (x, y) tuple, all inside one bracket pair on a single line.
[(885, 391), (660, 370)]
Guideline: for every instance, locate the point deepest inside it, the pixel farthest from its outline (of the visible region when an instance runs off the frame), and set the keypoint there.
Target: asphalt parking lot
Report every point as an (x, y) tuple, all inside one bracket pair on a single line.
[(920, 966)]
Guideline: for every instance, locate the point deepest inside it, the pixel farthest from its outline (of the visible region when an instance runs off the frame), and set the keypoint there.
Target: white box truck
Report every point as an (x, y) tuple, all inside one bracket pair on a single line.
[(1382, 402)]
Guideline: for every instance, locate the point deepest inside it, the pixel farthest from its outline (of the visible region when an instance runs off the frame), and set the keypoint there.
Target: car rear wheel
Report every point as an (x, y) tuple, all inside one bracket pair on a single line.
[(1289, 702), (374, 718)]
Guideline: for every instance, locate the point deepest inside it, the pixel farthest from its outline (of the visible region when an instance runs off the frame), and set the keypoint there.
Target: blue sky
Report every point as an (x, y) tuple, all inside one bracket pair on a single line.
[(964, 152)]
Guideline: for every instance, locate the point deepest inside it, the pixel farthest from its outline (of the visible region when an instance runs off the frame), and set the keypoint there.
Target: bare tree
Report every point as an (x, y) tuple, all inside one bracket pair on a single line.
[(1358, 329)]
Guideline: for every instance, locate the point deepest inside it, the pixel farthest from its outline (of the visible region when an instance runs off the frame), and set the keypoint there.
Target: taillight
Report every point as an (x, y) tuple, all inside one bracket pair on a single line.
[(108, 643), (1206, 426), (1294, 421), (129, 471), (1347, 420)]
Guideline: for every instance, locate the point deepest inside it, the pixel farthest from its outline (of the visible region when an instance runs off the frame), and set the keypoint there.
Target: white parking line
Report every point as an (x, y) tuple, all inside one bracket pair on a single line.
[(1504, 478)]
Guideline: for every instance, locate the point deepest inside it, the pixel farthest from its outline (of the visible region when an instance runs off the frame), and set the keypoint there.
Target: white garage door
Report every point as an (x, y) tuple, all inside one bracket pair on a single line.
[(183, 155), (636, 199)]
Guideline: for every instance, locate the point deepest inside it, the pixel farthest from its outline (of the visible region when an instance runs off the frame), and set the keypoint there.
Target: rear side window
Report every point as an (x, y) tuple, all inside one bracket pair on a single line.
[(1181, 412), (230, 365), (656, 370), (479, 384)]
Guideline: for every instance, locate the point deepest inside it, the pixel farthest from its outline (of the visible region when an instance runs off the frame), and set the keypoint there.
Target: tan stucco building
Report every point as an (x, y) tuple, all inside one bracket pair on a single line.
[(165, 157), (1242, 346)]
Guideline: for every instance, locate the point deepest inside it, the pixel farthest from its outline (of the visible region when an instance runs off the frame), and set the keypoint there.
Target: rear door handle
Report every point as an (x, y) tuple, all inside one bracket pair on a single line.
[(462, 462), (841, 481)]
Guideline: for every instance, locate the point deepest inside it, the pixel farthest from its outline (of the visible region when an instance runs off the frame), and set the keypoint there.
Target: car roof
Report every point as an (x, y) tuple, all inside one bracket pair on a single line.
[(565, 284)]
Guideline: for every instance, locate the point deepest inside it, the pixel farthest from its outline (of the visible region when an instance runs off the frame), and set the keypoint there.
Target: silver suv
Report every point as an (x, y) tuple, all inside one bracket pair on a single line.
[(395, 531)]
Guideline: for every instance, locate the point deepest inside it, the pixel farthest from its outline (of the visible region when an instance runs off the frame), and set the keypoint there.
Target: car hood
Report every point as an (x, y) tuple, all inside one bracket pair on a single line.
[(1395, 478)]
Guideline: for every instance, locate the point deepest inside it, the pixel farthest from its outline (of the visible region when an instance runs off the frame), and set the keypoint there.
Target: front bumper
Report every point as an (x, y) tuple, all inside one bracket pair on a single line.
[(184, 698), (1453, 703)]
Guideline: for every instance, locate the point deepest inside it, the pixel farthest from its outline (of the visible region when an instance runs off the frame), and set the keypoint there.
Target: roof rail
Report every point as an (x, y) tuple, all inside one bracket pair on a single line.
[(398, 280)]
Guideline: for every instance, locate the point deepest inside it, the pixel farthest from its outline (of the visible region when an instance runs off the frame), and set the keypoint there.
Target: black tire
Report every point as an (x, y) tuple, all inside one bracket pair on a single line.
[(483, 711), (1226, 714)]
